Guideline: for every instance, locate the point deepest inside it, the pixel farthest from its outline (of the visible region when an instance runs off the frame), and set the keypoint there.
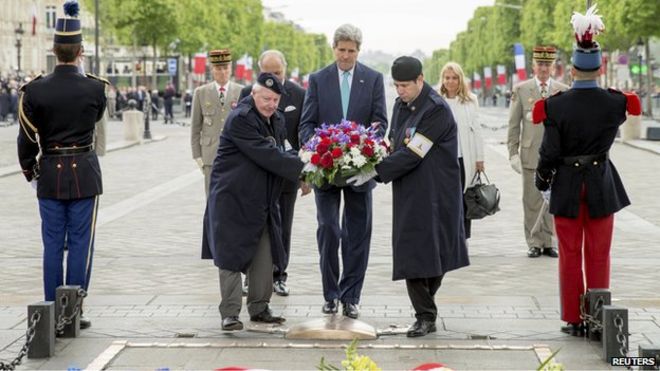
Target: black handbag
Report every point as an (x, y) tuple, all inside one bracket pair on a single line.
[(481, 199)]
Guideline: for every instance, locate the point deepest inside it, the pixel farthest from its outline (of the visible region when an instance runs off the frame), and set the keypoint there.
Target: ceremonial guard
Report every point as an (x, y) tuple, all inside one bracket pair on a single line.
[(58, 115), (212, 103), (242, 222), (523, 142), (580, 127), (428, 236)]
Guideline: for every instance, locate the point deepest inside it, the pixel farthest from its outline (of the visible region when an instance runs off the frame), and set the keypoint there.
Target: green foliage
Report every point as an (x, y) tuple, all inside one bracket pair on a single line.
[(193, 26), (353, 361), (492, 31), (433, 65)]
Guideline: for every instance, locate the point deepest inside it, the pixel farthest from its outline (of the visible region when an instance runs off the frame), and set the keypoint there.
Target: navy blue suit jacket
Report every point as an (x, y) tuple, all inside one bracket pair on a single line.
[(323, 100)]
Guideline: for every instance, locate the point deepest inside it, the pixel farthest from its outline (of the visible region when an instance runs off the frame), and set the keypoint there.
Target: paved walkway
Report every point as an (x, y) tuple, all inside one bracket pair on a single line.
[(149, 286)]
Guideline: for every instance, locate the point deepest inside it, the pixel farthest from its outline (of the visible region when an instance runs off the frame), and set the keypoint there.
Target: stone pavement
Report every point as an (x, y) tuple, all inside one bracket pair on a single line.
[(150, 288)]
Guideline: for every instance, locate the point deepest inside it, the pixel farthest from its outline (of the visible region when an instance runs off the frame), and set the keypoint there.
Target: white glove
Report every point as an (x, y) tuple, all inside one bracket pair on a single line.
[(546, 195), (34, 184), (361, 178), (515, 163), (199, 161)]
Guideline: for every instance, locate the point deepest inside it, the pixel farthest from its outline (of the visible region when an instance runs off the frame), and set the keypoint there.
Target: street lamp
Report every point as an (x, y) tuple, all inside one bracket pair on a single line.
[(19, 35), (640, 46)]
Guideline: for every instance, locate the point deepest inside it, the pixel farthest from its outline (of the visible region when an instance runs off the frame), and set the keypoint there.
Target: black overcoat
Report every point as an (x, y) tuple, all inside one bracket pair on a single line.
[(583, 122), (246, 182), (428, 237)]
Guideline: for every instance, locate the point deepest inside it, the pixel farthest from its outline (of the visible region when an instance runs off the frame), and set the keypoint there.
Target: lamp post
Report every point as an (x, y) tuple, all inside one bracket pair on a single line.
[(19, 36), (640, 46)]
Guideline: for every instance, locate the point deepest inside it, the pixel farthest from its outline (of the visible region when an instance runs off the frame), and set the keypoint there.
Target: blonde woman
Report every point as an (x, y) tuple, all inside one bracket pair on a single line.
[(465, 108)]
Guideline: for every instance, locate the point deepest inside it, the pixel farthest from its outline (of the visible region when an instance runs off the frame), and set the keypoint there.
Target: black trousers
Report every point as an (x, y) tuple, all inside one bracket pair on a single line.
[(287, 203), (421, 292), (466, 222)]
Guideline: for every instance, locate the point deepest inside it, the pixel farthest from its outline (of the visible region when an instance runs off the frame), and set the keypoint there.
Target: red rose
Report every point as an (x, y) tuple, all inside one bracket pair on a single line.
[(326, 160), (369, 142), (322, 148), (368, 151), (326, 141), (337, 152), (316, 158), (355, 138)]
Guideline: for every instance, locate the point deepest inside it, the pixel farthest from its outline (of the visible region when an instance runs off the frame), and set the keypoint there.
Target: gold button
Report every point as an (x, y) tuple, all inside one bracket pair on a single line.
[(74, 166), (59, 166), (595, 162), (577, 164)]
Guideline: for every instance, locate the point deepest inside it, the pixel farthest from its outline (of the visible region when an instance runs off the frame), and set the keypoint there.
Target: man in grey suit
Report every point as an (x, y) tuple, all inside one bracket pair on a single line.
[(212, 103), (524, 140)]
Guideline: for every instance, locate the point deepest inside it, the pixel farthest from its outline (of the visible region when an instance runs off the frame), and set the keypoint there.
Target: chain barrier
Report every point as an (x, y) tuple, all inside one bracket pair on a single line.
[(595, 325), (621, 336), (63, 320), (29, 336)]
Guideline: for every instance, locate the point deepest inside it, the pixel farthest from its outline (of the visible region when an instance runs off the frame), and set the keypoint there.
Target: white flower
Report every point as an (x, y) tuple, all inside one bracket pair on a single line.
[(305, 156), (359, 160)]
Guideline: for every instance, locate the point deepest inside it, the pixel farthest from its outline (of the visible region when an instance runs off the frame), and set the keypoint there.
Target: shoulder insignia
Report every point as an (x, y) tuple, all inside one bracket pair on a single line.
[(101, 79), (22, 88)]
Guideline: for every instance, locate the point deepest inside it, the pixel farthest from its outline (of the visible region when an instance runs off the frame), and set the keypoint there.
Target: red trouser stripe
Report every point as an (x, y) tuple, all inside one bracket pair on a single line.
[(597, 237)]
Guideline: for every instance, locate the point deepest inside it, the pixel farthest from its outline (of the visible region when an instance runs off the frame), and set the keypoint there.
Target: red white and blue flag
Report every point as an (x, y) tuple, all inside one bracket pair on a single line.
[(519, 55)]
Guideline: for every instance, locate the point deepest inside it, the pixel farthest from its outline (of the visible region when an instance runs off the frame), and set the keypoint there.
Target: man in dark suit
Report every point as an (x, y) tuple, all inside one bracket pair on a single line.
[(347, 90), (58, 116), (273, 61)]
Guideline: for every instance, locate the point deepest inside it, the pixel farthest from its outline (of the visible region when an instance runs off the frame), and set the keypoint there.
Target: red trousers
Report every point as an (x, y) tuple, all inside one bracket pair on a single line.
[(597, 237)]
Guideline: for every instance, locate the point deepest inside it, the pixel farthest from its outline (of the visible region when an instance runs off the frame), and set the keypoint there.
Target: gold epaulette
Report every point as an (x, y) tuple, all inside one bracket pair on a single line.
[(22, 88), (101, 79)]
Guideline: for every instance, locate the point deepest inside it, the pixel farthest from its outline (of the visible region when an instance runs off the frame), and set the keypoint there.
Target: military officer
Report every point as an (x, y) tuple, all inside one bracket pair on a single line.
[(524, 140), (242, 222), (428, 236), (580, 127), (212, 103), (58, 116), (273, 61)]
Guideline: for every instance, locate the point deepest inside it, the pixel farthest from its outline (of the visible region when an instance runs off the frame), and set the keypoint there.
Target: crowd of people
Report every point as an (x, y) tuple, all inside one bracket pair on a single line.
[(245, 141)]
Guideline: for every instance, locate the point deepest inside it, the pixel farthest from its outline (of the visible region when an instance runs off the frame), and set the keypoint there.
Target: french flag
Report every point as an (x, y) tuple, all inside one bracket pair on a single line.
[(239, 73), (488, 76), (476, 81), (519, 54), (501, 74)]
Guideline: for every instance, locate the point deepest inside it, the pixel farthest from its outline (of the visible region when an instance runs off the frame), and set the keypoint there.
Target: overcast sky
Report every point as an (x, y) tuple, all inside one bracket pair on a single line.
[(393, 26)]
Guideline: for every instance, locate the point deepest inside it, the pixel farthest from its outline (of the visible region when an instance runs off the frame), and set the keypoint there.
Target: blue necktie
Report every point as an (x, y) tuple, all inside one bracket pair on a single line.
[(345, 92)]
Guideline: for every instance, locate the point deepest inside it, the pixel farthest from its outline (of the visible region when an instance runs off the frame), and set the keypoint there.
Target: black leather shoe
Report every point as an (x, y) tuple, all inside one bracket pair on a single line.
[(573, 329), (330, 307), (421, 328), (267, 317), (534, 252), (232, 323), (279, 288), (551, 252), (350, 310), (85, 323)]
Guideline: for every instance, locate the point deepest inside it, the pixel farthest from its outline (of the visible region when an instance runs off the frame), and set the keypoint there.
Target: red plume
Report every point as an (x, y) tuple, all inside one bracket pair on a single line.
[(538, 112)]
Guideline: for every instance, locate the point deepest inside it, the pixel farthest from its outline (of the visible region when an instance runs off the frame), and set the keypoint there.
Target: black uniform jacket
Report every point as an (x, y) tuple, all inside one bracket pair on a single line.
[(246, 182), (62, 110), (428, 236), (291, 107), (582, 122)]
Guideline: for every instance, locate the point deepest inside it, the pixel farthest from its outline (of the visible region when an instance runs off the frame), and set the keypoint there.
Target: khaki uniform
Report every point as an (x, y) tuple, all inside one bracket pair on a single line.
[(208, 120), (524, 138)]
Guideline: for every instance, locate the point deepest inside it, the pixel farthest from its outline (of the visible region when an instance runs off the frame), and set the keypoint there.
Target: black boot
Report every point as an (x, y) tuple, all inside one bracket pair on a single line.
[(573, 329)]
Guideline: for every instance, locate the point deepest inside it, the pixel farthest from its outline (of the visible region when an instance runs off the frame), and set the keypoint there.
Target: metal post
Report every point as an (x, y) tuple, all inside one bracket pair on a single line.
[(71, 330), (615, 332), (596, 299), (649, 351), (147, 132), (43, 343), (640, 73), (96, 37), (19, 34)]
